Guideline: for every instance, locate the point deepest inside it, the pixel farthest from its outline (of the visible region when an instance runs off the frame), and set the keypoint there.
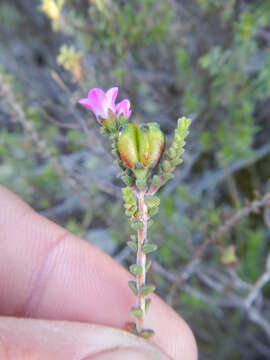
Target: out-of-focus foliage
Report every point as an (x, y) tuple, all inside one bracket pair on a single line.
[(205, 59)]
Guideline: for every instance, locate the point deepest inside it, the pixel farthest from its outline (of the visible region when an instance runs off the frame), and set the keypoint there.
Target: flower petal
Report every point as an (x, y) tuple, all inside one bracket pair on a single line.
[(111, 95), (85, 103), (97, 99), (123, 108)]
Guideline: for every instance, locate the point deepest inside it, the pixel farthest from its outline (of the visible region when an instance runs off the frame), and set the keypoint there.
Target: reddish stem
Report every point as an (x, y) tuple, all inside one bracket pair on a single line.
[(141, 260)]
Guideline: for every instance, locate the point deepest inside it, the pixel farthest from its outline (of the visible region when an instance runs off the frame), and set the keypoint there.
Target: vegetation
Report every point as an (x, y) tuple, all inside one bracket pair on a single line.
[(206, 59)]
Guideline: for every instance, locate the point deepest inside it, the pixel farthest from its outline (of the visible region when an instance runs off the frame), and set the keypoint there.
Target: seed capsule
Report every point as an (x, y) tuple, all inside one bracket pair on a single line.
[(143, 144), (157, 144), (141, 147), (127, 146)]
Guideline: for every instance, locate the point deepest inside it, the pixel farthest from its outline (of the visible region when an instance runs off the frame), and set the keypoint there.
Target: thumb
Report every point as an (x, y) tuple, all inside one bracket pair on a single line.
[(40, 339)]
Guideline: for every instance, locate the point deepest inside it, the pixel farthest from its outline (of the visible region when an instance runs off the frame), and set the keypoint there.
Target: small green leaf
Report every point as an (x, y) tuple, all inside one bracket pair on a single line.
[(133, 287), (133, 208), (147, 333), (133, 238), (137, 312), (128, 213), (135, 270), (156, 180), (141, 183), (166, 166), (132, 245), (148, 248), (152, 201), (128, 206), (167, 176), (128, 195), (172, 153), (137, 225), (153, 212), (147, 304), (148, 289), (176, 162), (126, 179)]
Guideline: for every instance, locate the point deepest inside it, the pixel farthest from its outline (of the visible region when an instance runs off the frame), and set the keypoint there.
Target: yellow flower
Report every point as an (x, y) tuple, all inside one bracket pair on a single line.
[(52, 9)]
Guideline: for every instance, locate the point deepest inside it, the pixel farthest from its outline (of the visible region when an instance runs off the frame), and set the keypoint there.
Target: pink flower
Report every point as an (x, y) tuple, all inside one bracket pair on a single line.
[(103, 104)]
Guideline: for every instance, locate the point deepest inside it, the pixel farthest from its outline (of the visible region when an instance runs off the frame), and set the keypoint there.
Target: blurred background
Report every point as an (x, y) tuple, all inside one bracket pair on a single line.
[(205, 59)]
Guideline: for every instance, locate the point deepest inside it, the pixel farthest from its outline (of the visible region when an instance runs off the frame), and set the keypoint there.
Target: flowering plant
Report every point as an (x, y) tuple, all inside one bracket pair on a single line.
[(145, 166)]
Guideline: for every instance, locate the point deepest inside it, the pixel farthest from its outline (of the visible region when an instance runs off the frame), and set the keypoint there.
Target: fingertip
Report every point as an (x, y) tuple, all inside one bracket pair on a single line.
[(51, 274), (40, 339), (172, 332)]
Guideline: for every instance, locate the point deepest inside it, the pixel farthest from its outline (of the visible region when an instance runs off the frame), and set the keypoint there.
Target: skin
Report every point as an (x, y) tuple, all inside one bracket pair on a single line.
[(61, 298)]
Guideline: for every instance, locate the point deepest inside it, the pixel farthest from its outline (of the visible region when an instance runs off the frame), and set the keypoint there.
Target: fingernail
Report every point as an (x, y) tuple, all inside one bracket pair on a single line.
[(123, 354)]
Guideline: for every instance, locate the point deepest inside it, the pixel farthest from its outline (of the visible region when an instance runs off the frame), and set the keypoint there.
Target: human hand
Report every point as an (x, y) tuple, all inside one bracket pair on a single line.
[(80, 293)]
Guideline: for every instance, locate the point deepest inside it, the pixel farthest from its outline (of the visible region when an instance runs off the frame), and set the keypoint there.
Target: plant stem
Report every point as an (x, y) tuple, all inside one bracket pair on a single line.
[(141, 260)]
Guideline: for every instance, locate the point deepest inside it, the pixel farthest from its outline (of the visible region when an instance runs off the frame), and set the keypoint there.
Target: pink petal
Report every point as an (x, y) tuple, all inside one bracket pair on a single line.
[(123, 108), (97, 99), (111, 95), (86, 104)]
